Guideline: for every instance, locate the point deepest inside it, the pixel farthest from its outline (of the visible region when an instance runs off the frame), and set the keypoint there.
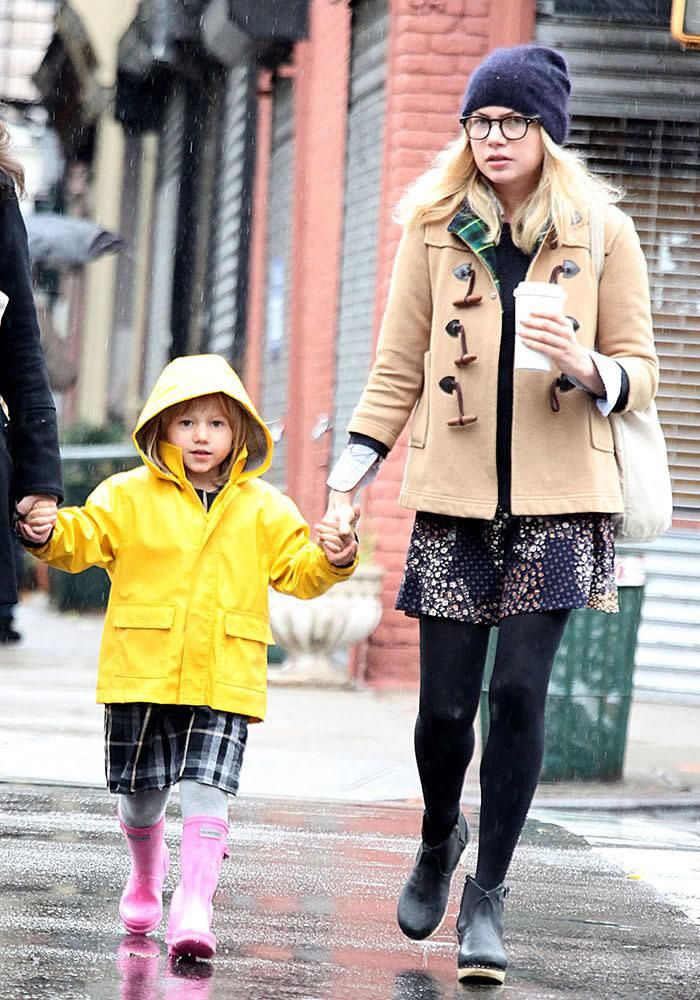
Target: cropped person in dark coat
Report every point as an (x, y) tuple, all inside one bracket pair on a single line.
[(30, 468)]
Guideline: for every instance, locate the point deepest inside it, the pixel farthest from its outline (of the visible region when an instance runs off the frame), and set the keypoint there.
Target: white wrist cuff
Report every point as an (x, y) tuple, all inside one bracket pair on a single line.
[(357, 466)]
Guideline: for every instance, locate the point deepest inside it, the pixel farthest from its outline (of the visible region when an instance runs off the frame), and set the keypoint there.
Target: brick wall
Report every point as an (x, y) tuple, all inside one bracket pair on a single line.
[(320, 72)]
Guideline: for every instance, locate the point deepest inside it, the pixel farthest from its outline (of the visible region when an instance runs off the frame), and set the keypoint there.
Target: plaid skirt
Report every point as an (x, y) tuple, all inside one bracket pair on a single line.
[(154, 746), (482, 571)]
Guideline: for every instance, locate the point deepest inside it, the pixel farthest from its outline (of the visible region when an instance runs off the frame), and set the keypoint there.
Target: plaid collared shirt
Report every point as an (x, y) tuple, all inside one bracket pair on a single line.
[(472, 230)]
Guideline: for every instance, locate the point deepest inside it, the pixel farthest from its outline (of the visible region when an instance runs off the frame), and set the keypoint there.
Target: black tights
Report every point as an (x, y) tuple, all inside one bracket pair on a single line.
[(452, 658)]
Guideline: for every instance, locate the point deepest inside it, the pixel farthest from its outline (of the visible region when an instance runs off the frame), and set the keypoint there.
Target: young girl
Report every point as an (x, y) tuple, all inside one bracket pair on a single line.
[(191, 541), (513, 477)]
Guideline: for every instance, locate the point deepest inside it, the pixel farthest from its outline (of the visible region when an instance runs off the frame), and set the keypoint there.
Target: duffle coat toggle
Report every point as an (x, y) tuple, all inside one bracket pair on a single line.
[(455, 328), (449, 384), (470, 276), (567, 269)]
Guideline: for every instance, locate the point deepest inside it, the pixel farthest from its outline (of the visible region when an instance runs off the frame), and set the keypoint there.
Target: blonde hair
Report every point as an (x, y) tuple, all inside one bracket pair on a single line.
[(566, 187), (153, 431), (8, 164)]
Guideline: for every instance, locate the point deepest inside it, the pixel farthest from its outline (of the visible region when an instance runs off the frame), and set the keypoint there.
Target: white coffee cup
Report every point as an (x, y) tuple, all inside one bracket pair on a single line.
[(532, 297)]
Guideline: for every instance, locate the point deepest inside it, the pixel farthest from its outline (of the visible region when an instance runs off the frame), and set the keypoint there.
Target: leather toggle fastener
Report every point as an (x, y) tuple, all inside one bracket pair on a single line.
[(469, 299), (567, 269), (455, 329), (449, 384)]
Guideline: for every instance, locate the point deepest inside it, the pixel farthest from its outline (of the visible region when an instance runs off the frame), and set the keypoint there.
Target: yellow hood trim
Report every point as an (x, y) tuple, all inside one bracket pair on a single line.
[(201, 375)]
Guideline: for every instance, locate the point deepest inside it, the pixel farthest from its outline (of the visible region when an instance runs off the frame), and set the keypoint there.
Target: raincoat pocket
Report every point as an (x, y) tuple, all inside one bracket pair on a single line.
[(242, 651), (248, 625), (142, 637)]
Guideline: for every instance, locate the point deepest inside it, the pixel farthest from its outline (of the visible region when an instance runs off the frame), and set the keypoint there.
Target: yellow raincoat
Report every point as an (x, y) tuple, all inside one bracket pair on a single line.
[(187, 621)]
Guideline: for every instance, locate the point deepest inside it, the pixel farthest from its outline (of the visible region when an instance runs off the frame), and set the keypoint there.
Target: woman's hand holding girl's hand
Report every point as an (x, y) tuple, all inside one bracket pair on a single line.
[(554, 335), (37, 518), (342, 510), (340, 546)]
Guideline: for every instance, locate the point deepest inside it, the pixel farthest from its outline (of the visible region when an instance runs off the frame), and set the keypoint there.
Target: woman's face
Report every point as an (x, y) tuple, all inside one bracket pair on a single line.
[(508, 164)]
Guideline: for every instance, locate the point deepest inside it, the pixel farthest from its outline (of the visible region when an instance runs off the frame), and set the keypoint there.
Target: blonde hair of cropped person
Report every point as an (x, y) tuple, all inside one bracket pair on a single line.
[(154, 431), (8, 164), (566, 185)]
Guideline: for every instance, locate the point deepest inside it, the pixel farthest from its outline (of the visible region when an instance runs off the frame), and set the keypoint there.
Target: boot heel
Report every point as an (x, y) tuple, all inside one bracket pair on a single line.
[(193, 944), (480, 932)]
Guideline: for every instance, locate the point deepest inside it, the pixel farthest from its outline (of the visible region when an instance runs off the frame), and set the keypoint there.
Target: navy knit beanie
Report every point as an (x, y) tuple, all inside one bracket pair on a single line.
[(530, 79)]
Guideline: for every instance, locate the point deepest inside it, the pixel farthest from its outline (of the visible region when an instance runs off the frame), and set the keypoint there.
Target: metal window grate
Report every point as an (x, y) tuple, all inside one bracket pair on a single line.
[(658, 165)]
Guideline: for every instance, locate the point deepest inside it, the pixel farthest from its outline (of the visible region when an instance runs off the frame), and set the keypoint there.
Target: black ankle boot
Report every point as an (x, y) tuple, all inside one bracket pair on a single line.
[(480, 933), (8, 633), (425, 896)]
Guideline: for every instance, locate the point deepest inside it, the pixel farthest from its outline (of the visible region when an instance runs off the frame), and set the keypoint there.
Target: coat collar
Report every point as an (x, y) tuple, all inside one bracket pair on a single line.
[(472, 230), (171, 456)]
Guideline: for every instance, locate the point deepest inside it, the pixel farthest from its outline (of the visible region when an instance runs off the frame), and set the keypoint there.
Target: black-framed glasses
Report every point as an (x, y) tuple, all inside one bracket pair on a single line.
[(512, 126)]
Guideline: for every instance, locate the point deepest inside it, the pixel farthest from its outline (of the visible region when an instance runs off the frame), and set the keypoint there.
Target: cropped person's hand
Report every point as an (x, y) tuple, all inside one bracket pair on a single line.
[(554, 335), (37, 517)]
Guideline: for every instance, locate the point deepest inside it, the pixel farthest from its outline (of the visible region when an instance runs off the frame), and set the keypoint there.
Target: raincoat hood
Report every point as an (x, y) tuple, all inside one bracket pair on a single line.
[(201, 375)]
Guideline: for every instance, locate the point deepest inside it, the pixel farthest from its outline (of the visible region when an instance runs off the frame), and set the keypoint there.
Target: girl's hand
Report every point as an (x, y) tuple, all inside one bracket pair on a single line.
[(36, 521), (554, 335), (340, 547)]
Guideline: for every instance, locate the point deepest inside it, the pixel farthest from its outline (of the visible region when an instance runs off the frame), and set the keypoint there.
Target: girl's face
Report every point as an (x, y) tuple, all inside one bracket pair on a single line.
[(203, 431), (510, 165)]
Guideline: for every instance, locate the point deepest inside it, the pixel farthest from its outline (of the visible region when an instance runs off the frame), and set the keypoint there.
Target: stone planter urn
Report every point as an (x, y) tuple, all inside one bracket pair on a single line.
[(310, 631)]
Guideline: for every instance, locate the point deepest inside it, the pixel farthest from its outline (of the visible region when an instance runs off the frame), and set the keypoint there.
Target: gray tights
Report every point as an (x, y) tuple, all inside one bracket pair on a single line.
[(145, 808)]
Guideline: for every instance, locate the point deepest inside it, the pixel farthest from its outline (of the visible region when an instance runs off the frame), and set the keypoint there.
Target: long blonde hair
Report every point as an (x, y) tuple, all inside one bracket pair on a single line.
[(566, 186), (8, 164), (154, 430)]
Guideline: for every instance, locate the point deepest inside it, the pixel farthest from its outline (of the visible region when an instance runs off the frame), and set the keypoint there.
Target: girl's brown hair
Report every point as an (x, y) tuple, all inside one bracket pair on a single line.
[(154, 431), (8, 164)]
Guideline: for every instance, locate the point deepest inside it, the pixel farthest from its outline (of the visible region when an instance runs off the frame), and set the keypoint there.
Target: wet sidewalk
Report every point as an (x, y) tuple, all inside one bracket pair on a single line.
[(306, 909), (353, 745)]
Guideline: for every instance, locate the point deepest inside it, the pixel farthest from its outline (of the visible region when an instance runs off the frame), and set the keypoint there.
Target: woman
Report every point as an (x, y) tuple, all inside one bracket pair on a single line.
[(30, 466), (513, 477)]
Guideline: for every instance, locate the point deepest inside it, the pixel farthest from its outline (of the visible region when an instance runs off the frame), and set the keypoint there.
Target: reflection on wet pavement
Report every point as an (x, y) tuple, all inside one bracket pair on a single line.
[(306, 910)]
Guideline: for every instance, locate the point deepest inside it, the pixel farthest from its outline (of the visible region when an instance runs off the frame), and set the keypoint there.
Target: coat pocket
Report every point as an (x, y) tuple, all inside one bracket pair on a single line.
[(242, 651), (601, 431), (142, 635), (248, 625), (419, 421)]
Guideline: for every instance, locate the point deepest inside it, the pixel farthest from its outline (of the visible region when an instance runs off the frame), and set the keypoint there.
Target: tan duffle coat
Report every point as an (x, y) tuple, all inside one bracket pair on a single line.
[(562, 462)]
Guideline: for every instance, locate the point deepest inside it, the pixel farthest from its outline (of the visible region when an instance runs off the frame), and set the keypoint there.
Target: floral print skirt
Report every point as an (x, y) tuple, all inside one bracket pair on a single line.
[(482, 571)]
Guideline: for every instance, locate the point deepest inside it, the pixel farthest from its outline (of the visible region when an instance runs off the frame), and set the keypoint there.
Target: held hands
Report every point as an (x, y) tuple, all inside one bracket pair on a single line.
[(37, 517), (554, 335), (336, 531)]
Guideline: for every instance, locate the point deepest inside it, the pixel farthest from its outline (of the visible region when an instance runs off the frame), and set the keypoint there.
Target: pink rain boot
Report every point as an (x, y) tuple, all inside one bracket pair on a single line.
[(141, 905), (191, 911)]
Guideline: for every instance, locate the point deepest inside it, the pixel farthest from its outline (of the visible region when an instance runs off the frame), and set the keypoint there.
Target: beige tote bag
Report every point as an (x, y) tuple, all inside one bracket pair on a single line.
[(640, 448)]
